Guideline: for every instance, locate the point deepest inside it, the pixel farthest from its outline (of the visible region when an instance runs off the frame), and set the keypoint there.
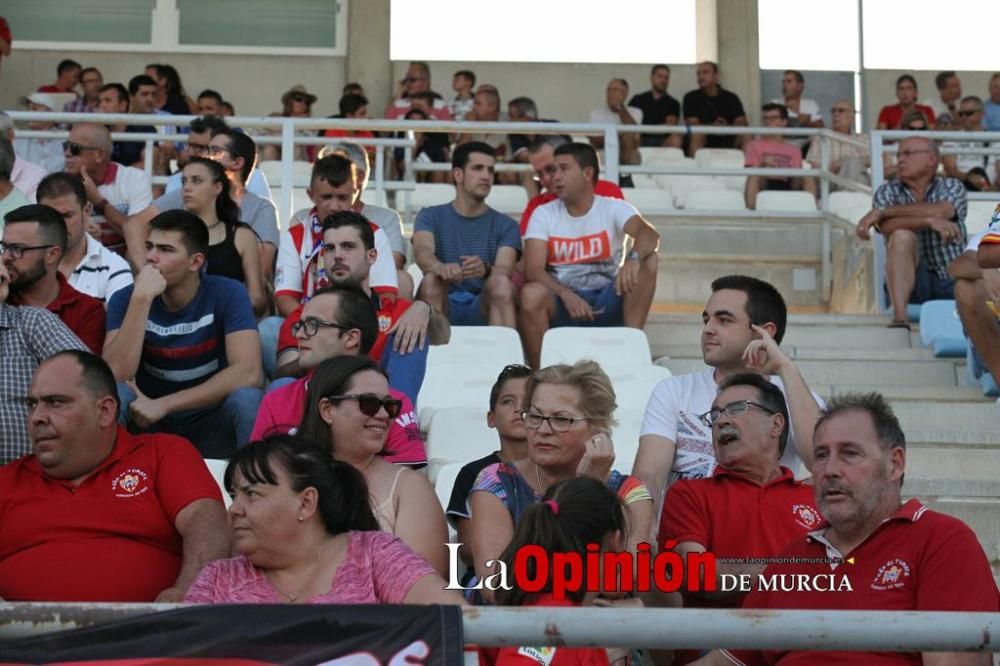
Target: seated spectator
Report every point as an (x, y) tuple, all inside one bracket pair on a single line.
[(142, 90), (200, 133), (711, 104), (105, 545), (417, 79), (520, 110), (574, 514), (427, 147), (304, 532), (227, 110), (67, 77), (658, 108), (91, 81), (233, 248), (338, 320), (847, 160), (575, 264), (296, 103), (962, 166), (34, 241), (348, 408), (891, 116), (569, 415), (209, 103), (114, 98), (486, 108), (542, 156), (860, 463), (466, 249), (46, 153), (353, 88), (462, 83), (116, 192), (187, 341), (922, 216), (989, 253), (976, 289), (802, 112), (773, 151), (743, 326), (945, 104), (238, 154), (353, 107), (170, 95), (348, 253), (504, 415), (28, 336), (991, 110), (25, 175), (913, 121), (615, 112), (10, 197), (88, 266)]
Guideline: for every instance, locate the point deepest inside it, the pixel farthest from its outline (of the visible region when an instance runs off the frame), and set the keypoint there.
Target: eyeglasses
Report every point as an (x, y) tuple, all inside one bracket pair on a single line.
[(966, 114), (75, 149), (534, 421), (17, 251), (311, 326), (836, 110), (710, 417), (199, 148), (911, 153), (369, 403), (217, 150)]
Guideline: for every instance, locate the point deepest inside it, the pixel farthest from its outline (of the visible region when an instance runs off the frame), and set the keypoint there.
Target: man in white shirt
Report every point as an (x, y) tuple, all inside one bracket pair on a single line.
[(977, 171), (802, 111), (46, 153), (615, 112), (945, 105), (744, 322), (11, 198), (575, 264)]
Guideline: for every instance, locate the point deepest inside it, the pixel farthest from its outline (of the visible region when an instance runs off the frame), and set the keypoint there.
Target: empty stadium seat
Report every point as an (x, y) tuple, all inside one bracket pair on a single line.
[(681, 186), (456, 385), (941, 329), (643, 181), (718, 200), (978, 215), (431, 194), (459, 435), (478, 344), (787, 202), (509, 199), (443, 484), (625, 436), (844, 204), (218, 469), (612, 347), (301, 172), (719, 157), (650, 201), (373, 197), (633, 385), (660, 155)]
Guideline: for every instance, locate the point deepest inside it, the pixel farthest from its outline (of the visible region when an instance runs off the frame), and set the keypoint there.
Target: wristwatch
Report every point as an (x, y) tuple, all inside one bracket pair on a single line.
[(633, 255)]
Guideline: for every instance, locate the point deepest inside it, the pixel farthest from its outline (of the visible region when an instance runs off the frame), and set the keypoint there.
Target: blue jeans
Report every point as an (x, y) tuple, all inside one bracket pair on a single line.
[(268, 328), (215, 431), (406, 371)]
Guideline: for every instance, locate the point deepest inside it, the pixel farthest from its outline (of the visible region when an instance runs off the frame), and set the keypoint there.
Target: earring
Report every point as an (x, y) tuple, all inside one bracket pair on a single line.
[(301, 519)]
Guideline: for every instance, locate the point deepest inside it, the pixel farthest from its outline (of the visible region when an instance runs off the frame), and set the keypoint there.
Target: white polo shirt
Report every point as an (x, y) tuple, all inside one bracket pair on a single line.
[(129, 191), (101, 272)]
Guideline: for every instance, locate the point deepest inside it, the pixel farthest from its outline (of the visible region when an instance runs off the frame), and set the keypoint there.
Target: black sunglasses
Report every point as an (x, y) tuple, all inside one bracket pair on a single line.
[(966, 114), (369, 403), (75, 149)]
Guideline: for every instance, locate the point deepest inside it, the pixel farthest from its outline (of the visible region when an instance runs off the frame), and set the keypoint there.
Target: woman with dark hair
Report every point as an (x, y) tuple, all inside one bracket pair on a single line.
[(305, 533), (234, 249), (348, 405), (169, 82)]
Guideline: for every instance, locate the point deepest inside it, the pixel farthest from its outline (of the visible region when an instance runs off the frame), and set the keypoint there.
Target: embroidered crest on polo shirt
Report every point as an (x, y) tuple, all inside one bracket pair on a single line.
[(892, 575), (130, 483), (805, 515), (384, 323)]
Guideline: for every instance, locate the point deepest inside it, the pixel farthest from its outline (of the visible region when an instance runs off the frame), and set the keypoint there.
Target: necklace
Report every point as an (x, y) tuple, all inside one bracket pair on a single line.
[(538, 477), (294, 596)]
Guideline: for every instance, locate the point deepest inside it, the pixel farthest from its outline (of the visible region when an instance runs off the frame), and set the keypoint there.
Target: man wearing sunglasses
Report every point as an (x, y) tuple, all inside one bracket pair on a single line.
[(965, 166), (417, 79), (338, 320)]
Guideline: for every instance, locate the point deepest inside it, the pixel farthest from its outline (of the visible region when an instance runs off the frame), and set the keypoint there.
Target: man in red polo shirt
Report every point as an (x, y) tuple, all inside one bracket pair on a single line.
[(893, 556), (97, 514), (34, 240)]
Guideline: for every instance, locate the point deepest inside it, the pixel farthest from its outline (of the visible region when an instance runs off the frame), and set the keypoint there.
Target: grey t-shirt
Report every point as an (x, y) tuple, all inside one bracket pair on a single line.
[(388, 221), (256, 211)]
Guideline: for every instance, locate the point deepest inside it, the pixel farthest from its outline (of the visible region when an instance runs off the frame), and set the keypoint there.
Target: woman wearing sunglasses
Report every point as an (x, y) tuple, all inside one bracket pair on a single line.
[(348, 404), (304, 532), (568, 416), (233, 247)]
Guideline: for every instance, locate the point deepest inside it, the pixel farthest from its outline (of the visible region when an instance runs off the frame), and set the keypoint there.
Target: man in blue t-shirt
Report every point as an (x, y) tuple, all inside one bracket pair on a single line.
[(183, 345), (466, 249)]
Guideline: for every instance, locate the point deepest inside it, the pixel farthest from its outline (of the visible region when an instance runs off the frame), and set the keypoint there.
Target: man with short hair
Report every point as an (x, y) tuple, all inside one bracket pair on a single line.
[(847, 160), (67, 76), (991, 111), (773, 151), (89, 267), (91, 82), (353, 107), (115, 191), (97, 514), (209, 103), (10, 196), (187, 341), (200, 133), (575, 264), (743, 324), (945, 105), (143, 91), (466, 249), (977, 299), (978, 172), (25, 176), (895, 556), (486, 108), (115, 98), (28, 336), (711, 104), (615, 112), (339, 320), (891, 116), (922, 216), (46, 153), (462, 83), (658, 107), (417, 79), (802, 111), (34, 241)]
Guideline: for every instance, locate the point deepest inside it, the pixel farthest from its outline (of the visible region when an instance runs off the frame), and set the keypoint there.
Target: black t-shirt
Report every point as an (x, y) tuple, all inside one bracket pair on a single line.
[(706, 109), (466, 478), (655, 112), (130, 152)]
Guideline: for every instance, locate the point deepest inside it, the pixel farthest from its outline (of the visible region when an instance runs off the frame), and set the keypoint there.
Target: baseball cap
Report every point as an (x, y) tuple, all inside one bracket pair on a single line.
[(42, 99)]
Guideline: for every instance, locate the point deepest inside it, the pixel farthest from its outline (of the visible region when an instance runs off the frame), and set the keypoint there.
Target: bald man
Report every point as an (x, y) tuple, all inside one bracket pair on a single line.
[(115, 191)]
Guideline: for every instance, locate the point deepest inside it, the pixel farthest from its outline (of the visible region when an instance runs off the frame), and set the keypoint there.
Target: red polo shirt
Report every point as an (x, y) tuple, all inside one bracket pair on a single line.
[(917, 559), (604, 188), (112, 538), (82, 314)]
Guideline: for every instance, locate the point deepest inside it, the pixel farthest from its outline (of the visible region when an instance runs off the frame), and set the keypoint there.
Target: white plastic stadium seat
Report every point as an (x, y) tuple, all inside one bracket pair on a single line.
[(613, 347), (719, 157), (431, 194), (459, 435), (720, 200), (478, 344), (456, 385), (643, 181), (978, 215), (658, 155), (218, 469), (844, 204), (443, 484), (682, 186), (509, 199), (416, 274), (625, 436), (787, 202), (373, 197), (301, 172), (649, 202)]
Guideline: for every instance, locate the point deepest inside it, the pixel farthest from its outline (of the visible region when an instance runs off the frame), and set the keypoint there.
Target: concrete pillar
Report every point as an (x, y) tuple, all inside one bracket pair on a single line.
[(739, 53), (368, 52)]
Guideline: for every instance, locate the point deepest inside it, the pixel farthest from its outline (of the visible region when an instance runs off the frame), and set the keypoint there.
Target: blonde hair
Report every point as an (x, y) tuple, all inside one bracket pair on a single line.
[(597, 396)]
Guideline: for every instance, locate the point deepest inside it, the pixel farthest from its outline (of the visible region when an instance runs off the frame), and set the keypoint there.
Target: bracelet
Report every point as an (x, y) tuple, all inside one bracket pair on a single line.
[(100, 206)]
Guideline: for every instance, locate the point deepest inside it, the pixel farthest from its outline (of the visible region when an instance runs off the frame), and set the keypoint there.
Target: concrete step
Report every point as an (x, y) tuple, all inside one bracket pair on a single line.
[(740, 238), (799, 336), (982, 417), (897, 393), (685, 279)]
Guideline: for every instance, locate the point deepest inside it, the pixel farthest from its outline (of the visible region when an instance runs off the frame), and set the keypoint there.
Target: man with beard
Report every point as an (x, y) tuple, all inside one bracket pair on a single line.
[(895, 556), (34, 241)]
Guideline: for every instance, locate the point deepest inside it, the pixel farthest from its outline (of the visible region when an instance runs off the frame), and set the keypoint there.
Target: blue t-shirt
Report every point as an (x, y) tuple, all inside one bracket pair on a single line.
[(991, 117), (456, 236), (186, 348)]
